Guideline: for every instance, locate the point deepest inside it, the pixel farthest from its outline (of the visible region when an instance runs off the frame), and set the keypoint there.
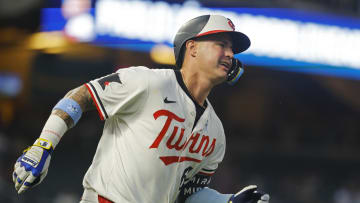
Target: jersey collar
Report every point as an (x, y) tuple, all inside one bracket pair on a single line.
[(183, 86)]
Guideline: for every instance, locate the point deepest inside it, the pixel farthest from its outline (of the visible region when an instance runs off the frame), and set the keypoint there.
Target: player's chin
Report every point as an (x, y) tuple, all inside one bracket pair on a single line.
[(222, 76), (223, 71)]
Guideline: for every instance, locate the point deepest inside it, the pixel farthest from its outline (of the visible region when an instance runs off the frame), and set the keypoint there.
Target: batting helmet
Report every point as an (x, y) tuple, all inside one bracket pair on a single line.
[(208, 25)]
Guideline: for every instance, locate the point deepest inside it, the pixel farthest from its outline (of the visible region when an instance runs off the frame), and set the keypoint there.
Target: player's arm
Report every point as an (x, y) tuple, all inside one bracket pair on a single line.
[(32, 166), (196, 190), (82, 97), (248, 194)]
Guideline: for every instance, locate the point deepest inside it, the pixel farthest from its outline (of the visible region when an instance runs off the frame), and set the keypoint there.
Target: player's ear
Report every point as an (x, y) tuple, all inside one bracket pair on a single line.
[(191, 47)]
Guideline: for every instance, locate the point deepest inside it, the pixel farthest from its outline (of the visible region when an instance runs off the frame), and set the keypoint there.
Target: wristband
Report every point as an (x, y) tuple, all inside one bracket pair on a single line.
[(55, 127), (235, 72), (71, 107)]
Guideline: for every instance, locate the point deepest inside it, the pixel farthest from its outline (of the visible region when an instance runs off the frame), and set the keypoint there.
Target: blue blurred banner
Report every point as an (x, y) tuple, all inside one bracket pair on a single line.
[(284, 38)]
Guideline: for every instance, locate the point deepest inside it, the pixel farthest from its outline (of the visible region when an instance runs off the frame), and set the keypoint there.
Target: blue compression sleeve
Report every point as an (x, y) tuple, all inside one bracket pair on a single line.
[(71, 107), (208, 195)]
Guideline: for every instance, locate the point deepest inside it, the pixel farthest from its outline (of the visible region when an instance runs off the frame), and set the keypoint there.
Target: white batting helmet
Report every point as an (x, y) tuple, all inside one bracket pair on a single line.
[(208, 25)]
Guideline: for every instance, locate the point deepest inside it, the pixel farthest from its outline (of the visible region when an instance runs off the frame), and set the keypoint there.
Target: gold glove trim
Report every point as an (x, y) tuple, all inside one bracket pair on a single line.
[(43, 143)]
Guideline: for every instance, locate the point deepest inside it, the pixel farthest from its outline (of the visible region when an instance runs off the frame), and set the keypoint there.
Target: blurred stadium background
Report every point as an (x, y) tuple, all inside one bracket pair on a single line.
[(292, 121)]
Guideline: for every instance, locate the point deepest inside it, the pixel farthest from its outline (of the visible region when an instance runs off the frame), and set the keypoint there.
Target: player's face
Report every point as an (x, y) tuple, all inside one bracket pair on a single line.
[(214, 55)]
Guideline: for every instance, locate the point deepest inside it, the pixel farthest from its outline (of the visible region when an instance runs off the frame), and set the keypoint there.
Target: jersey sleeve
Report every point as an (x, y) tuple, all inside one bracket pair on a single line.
[(122, 92)]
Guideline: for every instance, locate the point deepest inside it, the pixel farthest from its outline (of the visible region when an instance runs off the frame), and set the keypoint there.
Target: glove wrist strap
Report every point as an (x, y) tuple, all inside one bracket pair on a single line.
[(43, 143), (231, 199)]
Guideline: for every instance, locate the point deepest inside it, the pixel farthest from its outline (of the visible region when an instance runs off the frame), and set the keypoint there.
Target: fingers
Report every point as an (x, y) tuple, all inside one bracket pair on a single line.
[(250, 194), (247, 189), (30, 168), (24, 179), (264, 199), (14, 176), (22, 189), (21, 174), (27, 183)]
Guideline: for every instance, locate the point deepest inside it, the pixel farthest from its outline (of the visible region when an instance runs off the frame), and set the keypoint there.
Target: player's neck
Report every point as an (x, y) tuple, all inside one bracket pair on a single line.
[(198, 86)]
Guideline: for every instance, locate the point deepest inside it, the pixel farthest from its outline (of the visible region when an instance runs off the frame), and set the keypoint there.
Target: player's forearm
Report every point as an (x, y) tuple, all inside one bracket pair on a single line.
[(208, 195), (32, 166), (66, 114), (81, 96), (248, 194)]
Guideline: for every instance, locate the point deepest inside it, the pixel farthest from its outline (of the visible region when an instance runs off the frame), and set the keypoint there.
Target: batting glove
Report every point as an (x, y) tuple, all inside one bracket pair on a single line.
[(32, 166), (249, 194)]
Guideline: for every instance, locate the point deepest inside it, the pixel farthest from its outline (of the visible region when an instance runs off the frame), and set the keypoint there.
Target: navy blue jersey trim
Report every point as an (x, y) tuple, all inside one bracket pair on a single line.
[(199, 109), (208, 170), (98, 98), (195, 184)]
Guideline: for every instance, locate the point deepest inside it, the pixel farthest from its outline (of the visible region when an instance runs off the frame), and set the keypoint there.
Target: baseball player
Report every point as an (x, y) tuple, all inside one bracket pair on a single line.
[(162, 140)]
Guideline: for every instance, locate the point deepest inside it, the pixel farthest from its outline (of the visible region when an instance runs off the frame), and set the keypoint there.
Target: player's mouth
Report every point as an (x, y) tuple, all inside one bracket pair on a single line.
[(226, 66)]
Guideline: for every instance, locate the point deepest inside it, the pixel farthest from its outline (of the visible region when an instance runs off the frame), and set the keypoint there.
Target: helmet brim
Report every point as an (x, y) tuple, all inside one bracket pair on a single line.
[(241, 42)]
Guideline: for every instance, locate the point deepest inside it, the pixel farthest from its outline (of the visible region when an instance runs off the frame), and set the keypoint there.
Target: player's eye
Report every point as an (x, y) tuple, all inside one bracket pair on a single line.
[(221, 44)]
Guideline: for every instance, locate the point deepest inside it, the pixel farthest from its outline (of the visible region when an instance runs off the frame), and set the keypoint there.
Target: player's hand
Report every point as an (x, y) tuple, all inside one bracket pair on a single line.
[(249, 194), (32, 166)]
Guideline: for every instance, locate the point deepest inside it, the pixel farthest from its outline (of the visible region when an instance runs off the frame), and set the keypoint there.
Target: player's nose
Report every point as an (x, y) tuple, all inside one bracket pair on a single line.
[(229, 53)]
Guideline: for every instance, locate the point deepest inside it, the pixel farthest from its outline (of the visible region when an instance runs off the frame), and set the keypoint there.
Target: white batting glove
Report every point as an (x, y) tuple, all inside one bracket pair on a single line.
[(249, 194), (32, 166)]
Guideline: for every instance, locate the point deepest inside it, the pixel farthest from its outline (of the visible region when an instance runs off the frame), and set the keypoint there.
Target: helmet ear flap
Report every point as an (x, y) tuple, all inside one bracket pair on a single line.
[(235, 72)]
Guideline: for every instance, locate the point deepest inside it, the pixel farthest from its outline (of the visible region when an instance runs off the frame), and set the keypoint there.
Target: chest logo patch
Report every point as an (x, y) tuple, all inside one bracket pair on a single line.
[(197, 144)]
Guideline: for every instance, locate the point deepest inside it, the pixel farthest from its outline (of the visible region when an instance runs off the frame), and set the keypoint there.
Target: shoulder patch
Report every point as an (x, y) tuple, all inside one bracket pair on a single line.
[(105, 81)]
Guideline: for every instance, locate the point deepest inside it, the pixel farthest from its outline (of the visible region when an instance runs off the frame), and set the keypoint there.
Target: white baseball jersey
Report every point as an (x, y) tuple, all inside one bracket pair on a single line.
[(150, 145)]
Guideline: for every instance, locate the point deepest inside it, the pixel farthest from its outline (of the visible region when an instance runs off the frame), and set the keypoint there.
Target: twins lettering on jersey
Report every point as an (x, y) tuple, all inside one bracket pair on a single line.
[(180, 143)]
